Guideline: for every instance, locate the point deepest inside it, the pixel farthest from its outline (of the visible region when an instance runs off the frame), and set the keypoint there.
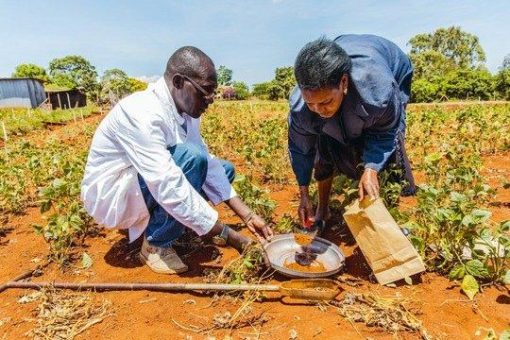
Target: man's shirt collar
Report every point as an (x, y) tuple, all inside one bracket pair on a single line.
[(161, 90)]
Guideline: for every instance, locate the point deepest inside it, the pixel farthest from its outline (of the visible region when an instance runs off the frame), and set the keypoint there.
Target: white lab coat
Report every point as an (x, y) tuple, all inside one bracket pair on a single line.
[(133, 138)]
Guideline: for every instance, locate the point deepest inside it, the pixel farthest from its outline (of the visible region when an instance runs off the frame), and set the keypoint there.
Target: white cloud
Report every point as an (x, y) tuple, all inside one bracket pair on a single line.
[(148, 79)]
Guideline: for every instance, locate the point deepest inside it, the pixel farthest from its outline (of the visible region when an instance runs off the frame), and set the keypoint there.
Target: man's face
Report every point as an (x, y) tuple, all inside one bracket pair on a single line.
[(325, 101), (198, 94), (193, 95)]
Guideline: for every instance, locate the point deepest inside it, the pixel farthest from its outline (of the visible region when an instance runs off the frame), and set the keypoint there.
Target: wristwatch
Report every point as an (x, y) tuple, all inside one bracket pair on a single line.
[(222, 238)]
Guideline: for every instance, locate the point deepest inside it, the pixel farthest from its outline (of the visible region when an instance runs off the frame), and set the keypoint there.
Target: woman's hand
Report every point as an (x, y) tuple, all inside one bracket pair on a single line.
[(369, 184), (305, 210)]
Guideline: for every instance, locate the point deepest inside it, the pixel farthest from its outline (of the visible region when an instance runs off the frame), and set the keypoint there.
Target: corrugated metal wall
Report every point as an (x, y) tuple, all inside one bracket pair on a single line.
[(23, 92)]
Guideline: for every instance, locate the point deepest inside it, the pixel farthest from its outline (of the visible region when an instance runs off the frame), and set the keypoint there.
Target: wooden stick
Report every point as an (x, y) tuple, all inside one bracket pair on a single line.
[(17, 278), (144, 286), (59, 101), (5, 135)]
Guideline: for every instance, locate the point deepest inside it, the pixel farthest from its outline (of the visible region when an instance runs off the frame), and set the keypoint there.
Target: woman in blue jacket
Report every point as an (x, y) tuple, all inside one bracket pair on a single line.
[(347, 115)]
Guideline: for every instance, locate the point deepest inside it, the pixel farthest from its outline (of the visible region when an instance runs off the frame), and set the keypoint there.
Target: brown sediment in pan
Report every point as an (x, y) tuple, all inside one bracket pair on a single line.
[(303, 239), (314, 267)]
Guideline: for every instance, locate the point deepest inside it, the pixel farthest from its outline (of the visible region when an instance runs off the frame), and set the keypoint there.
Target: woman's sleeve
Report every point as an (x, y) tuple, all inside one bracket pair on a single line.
[(302, 149), (380, 137)]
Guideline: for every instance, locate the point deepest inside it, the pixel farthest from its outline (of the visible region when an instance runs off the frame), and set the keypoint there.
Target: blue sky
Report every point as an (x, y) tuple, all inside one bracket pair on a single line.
[(250, 37)]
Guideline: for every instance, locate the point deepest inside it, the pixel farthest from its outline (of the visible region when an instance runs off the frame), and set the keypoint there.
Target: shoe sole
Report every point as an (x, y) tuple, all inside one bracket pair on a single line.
[(145, 261)]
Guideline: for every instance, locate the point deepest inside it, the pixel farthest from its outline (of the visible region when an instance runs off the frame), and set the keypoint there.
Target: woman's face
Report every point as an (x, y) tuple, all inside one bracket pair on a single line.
[(326, 101)]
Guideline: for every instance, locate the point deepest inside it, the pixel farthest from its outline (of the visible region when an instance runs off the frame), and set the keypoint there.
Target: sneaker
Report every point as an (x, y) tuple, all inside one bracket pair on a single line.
[(161, 260)]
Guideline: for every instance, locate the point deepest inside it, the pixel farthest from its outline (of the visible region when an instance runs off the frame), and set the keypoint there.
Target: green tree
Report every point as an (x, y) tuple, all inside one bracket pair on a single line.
[(431, 64), (449, 64), (30, 71), (462, 84), (284, 78), (241, 89), (424, 90), (136, 85), (224, 75), (274, 91), (283, 82), (261, 90), (278, 88), (506, 63), (461, 48), (74, 72), (114, 85), (502, 80)]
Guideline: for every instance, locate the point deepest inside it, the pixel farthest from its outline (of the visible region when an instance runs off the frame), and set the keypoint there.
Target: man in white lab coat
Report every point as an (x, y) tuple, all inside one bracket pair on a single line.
[(149, 169)]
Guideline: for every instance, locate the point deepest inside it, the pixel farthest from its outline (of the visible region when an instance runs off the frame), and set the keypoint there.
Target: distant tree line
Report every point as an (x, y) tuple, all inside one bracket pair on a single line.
[(76, 72), (449, 64)]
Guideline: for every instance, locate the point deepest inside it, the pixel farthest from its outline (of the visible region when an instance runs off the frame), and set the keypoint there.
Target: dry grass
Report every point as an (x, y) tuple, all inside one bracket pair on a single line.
[(246, 268), (64, 315), (242, 317), (391, 314)]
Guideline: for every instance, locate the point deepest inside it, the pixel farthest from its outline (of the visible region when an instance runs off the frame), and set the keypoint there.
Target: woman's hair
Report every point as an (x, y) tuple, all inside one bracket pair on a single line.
[(321, 63)]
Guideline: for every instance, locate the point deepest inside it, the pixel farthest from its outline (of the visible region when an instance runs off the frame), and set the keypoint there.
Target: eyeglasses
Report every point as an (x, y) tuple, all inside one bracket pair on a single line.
[(206, 95)]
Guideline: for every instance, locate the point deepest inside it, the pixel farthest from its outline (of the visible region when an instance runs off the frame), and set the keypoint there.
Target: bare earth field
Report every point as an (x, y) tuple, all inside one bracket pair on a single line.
[(445, 313)]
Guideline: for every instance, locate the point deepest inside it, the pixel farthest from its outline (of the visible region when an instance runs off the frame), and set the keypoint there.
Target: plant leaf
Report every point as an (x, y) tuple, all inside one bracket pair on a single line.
[(418, 243), (505, 335), (469, 286), (506, 277), (457, 272), (482, 215), (457, 197), (86, 261), (476, 268), (505, 226)]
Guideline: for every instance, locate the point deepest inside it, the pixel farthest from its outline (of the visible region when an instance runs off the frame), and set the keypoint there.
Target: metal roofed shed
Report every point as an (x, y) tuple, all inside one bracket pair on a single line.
[(66, 99), (21, 92)]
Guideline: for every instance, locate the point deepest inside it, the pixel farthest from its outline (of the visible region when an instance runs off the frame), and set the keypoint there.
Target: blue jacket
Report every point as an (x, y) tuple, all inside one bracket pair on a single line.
[(373, 109)]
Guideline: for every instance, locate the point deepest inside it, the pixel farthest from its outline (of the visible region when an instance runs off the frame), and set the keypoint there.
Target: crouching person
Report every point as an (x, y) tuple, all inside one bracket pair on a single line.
[(348, 116), (150, 171)]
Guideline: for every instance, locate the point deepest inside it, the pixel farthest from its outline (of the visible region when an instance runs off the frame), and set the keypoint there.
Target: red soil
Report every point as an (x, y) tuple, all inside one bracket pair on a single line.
[(445, 311)]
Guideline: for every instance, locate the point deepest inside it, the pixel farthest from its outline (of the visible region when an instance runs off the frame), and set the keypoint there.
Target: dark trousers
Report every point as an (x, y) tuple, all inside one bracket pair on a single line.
[(163, 229), (334, 157)]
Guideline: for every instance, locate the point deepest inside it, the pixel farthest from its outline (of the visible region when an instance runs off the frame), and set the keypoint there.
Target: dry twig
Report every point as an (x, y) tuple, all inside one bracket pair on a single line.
[(64, 315), (390, 314)]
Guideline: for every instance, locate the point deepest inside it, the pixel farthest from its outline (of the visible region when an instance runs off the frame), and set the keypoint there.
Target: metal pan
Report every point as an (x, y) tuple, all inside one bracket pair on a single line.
[(283, 248)]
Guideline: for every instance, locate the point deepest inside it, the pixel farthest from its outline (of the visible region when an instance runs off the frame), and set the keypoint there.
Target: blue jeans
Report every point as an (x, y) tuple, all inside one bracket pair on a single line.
[(163, 229)]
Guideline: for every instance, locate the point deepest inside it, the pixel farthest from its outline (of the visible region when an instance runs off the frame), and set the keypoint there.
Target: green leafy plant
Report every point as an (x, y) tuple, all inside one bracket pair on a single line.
[(254, 197), (244, 269)]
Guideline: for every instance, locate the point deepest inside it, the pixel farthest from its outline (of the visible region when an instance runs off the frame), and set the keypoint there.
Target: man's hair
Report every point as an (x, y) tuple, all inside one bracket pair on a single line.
[(321, 63), (189, 61)]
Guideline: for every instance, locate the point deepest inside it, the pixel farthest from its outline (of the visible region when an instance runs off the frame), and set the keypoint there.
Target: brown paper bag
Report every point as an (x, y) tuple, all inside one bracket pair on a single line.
[(388, 252)]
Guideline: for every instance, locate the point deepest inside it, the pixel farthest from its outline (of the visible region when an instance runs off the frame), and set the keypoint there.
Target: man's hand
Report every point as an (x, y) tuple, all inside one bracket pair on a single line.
[(259, 227), (305, 209), (255, 223), (368, 184), (234, 239), (238, 241)]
